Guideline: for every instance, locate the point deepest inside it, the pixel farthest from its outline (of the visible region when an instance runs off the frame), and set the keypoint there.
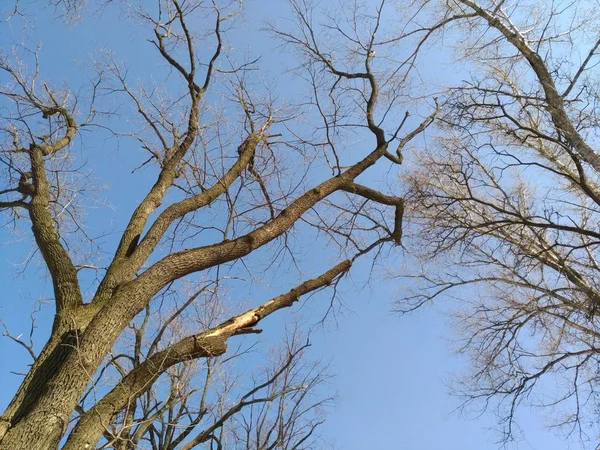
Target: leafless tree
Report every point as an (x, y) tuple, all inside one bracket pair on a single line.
[(242, 182), (506, 205)]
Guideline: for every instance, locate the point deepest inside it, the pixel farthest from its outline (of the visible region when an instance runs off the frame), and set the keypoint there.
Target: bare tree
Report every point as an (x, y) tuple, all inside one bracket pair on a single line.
[(240, 185), (507, 201)]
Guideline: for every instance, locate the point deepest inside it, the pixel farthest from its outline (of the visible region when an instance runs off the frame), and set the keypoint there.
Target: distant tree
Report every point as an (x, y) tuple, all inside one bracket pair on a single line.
[(507, 202), (240, 182)]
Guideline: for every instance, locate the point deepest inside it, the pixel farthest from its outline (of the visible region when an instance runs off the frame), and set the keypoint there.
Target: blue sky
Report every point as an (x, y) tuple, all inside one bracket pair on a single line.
[(391, 372)]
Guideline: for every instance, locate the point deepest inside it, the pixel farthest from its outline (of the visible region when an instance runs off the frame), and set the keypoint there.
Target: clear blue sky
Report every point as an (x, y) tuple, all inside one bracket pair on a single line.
[(391, 371)]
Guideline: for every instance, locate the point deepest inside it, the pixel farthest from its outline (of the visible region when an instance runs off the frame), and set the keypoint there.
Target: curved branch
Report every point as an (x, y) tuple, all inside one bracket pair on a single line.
[(61, 268)]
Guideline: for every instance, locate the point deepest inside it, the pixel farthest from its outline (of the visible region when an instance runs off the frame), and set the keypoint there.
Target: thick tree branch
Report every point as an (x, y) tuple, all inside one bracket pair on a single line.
[(179, 264), (148, 243), (202, 345), (61, 268)]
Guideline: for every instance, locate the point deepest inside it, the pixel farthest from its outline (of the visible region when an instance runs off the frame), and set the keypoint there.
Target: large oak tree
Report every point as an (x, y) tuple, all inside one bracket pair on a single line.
[(233, 172)]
